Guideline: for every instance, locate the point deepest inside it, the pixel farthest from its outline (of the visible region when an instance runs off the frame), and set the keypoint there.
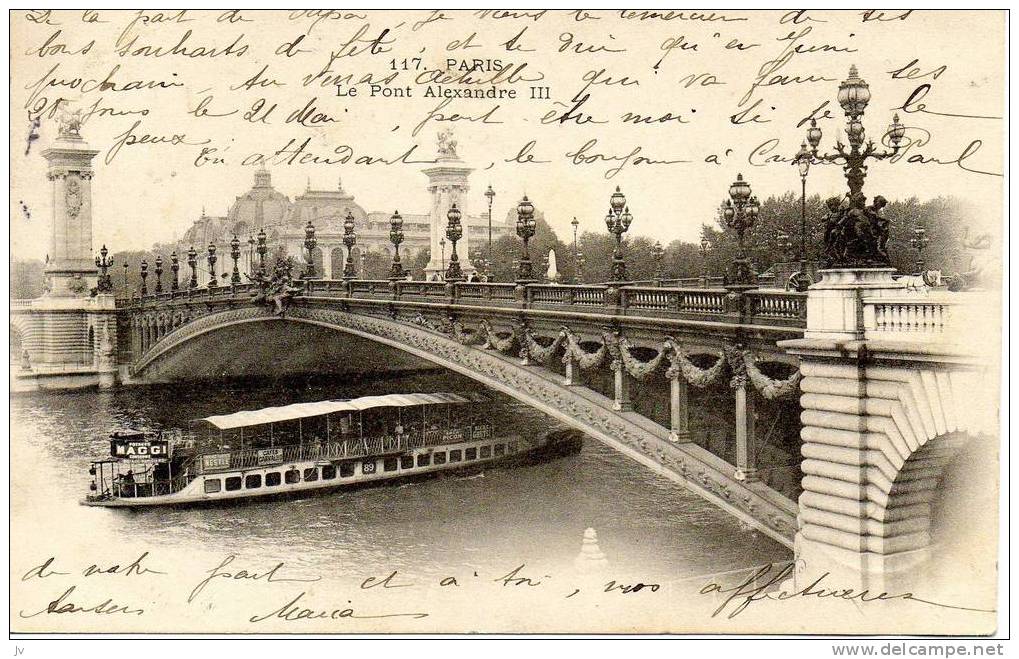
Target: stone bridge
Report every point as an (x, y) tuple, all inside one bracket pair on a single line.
[(618, 363)]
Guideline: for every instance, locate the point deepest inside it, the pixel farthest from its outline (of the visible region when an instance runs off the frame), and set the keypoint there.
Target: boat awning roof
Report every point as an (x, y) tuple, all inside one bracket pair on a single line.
[(305, 410)]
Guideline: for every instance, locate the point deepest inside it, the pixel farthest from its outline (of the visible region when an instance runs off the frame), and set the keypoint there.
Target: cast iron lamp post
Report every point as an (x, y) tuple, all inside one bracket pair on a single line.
[(576, 248), (854, 94), (175, 269), (159, 274), (396, 272), (658, 254), (618, 222), (490, 193), (705, 245), (349, 239), (235, 254), (103, 262), (193, 264), (919, 241), (310, 244), (211, 258), (442, 259), (740, 211), (454, 231), (145, 274), (580, 266), (525, 230), (261, 249)]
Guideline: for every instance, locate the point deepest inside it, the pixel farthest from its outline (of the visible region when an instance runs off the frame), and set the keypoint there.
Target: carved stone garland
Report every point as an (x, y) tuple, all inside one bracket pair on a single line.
[(536, 351), (640, 370), (769, 388), (585, 360)]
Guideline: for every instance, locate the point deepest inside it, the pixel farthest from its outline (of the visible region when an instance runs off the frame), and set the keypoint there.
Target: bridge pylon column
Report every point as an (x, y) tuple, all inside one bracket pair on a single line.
[(679, 409), (570, 379), (621, 386), (746, 432)]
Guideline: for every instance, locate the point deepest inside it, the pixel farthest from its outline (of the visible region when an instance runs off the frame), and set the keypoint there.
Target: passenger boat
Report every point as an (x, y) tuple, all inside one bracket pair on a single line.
[(305, 447)]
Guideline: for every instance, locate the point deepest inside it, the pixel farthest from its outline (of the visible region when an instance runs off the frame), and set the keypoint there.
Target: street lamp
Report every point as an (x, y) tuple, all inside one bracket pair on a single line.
[(364, 264), (525, 229), (349, 239), (235, 254), (175, 269), (103, 262), (396, 237), (193, 264), (454, 231), (442, 261), (658, 253), (159, 274), (854, 248), (261, 249), (919, 241), (740, 211), (580, 266), (576, 248), (309, 244), (490, 193), (145, 274), (618, 222), (211, 258), (126, 267), (705, 246)]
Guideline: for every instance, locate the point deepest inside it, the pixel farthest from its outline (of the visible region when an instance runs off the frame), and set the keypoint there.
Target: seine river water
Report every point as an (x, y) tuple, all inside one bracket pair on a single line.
[(536, 514)]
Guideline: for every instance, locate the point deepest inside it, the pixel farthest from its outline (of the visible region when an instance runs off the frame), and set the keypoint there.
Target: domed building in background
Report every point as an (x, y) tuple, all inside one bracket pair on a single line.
[(284, 221)]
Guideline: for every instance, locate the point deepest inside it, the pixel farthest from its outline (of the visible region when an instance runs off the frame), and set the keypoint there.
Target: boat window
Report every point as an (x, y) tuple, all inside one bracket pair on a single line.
[(512, 447), (292, 476), (252, 481), (311, 474), (272, 479), (328, 472), (233, 483), (500, 449), (455, 456), (486, 451), (368, 467), (389, 464), (440, 458), (424, 460), (471, 454), (407, 462), (346, 469), (212, 485)]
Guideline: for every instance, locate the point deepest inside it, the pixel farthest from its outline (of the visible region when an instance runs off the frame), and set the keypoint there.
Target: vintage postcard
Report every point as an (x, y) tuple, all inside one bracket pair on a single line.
[(506, 321)]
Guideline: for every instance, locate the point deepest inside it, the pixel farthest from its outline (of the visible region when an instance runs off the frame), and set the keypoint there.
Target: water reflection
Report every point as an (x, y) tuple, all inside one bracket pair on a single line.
[(535, 514)]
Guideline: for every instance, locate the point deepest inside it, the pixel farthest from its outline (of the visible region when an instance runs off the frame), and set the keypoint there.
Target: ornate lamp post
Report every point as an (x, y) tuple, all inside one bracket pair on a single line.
[(211, 258), (705, 246), (847, 249), (364, 264), (396, 237), (442, 260), (175, 269), (126, 267), (658, 254), (454, 231), (580, 266), (525, 229), (740, 211), (309, 244), (349, 239), (919, 241), (159, 274), (103, 262), (261, 249), (618, 222), (193, 264), (235, 254), (145, 274), (490, 193), (576, 248)]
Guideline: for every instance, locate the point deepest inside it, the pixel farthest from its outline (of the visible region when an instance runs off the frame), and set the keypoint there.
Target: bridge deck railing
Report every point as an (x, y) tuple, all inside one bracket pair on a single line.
[(774, 307)]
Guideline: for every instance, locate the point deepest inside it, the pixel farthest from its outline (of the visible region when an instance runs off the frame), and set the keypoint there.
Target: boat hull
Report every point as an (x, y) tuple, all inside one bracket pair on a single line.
[(499, 451)]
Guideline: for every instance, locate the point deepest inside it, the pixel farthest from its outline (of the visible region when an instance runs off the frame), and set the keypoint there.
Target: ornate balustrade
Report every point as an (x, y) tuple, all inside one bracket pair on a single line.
[(764, 307), (933, 318)]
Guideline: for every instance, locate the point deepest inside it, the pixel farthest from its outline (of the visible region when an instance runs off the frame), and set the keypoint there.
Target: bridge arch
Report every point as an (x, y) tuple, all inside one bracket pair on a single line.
[(633, 435)]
